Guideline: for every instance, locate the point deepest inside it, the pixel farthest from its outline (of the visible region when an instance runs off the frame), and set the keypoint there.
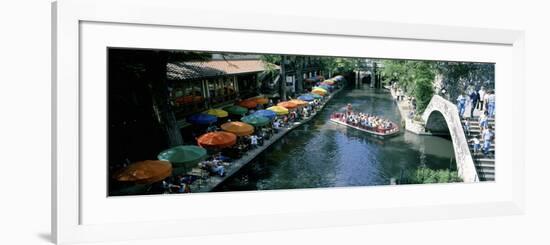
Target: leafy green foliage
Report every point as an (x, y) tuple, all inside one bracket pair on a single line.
[(414, 77), (339, 65), (423, 93), (270, 62), (424, 175), (461, 77), (334, 65)]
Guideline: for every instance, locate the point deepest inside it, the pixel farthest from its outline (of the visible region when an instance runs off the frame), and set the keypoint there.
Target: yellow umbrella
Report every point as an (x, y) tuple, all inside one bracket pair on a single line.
[(319, 92), (298, 102), (238, 128), (320, 88), (279, 110), (217, 112)]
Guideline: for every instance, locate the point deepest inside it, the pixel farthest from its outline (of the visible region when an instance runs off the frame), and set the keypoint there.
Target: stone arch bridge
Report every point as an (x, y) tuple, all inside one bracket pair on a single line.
[(441, 118)]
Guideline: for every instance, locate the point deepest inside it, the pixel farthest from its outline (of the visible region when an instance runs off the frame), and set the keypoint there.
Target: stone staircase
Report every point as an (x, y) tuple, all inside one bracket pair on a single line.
[(485, 164)]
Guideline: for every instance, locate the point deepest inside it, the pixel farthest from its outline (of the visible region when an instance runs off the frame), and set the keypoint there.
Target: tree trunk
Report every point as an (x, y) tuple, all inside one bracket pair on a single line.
[(282, 82), (161, 99), (299, 75)]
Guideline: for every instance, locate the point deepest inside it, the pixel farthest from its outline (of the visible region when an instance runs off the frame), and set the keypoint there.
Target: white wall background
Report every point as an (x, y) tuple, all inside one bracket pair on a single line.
[(25, 123)]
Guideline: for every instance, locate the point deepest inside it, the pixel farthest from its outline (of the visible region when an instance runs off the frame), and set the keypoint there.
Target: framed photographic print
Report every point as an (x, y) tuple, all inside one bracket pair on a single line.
[(169, 124)]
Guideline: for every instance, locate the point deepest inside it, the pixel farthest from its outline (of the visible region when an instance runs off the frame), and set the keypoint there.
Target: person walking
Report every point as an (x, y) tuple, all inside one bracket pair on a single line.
[(461, 105), (467, 127), (485, 98), (474, 98), (487, 137), (483, 120), (481, 94), (477, 145), (491, 104)]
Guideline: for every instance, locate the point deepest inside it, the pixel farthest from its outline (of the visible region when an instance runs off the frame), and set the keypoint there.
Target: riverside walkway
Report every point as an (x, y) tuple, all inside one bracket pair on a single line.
[(209, 183), (405, 109)]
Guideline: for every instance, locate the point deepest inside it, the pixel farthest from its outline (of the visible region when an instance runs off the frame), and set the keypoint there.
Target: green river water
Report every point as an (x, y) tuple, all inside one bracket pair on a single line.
[(323, 154)]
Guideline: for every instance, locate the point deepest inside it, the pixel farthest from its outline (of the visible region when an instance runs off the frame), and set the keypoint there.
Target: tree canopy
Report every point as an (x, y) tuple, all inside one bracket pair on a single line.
[(462, 77), (414, 77)]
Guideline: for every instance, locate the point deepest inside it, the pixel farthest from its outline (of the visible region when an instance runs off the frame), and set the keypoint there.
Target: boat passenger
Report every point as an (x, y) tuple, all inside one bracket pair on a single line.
[(349, 109)]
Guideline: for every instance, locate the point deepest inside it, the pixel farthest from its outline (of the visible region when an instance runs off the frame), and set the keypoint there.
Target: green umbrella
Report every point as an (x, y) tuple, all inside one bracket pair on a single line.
[(236, 110), (183, 155), (316, 96), (255, 120)]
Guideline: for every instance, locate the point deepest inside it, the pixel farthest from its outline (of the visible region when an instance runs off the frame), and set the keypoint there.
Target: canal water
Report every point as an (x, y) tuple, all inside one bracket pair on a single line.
[(324, 154)]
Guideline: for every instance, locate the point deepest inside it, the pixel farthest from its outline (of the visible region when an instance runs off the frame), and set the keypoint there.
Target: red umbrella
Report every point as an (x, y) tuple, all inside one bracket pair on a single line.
[(262, 100), (250, 104), (217, 140)]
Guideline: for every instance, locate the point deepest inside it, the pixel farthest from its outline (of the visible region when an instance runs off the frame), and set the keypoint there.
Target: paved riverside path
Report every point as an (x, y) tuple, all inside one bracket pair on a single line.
[(405, 108), (211, 182)]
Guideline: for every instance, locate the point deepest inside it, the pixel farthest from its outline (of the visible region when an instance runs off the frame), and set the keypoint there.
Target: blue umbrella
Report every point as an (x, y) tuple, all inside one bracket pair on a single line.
[(202, 119), (306, 97), (266, 113), (315, 96), (325, 86)]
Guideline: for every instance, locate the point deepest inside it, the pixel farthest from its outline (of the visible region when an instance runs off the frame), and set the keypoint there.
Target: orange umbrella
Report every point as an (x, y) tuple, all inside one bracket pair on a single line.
[(288, 104), (238, 128), (218, 140), (262, 100), (250, 104), (145, 172), (298, 102)]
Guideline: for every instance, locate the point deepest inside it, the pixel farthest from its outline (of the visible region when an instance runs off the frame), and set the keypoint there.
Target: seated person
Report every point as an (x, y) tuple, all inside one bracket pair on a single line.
[(169, 187), (253, 141), (212, 128), (221, 157), (277, 124), (215, 167)]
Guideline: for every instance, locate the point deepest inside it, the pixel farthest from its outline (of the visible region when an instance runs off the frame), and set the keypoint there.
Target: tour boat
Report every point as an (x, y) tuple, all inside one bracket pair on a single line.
[(337, 118)]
